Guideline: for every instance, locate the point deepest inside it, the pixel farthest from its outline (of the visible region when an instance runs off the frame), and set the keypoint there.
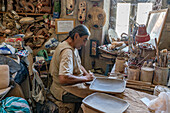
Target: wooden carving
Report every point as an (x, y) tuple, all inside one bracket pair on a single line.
[(38, 6), (16, 16), (43, 32), (29, 7), (82, 11), (46, 9), (96, 17), (27, 20), (46, 2), (10, 5), (70, 7), (38, 40)]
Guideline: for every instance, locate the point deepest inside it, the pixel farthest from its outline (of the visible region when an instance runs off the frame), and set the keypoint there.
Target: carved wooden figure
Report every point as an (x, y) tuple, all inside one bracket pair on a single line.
[(70, 7), (38, 40), (10, 5), (38, 6), (42, 32), (82, 12), (96, 17), (29, 7), (46, 9), (46, 2), (18, 9)]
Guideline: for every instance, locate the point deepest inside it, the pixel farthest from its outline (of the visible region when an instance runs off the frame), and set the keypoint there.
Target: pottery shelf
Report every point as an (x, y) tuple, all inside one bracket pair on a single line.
[(27, 13)]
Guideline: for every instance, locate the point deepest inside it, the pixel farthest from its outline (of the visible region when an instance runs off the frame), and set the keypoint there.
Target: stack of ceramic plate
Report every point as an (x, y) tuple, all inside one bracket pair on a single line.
[(108, 85), (103, 103)]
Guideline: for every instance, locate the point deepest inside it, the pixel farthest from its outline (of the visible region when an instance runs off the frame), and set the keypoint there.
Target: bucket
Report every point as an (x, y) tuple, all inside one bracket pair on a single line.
[(119, 65), (161, 75), (133, 73), (146, 74)]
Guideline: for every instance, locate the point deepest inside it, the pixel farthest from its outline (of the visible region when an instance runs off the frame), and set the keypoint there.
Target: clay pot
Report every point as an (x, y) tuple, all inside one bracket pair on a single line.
[(142, 35), (133, 73), (161, 75), (146, 74), (119, 65)]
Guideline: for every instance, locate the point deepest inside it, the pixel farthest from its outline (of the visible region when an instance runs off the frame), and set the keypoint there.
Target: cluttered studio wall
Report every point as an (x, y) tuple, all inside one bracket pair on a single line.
[(37, 22)]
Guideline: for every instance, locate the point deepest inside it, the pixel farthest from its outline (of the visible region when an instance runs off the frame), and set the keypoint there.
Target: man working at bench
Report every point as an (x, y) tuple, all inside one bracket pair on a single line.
[(66, 69)]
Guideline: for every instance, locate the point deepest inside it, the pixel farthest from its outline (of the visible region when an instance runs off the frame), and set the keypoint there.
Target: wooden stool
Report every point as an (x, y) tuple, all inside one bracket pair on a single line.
[(63, 107)]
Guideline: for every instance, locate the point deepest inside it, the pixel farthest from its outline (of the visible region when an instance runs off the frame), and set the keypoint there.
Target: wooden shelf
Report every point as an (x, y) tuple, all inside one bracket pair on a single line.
[(27, 13), (2, 12)]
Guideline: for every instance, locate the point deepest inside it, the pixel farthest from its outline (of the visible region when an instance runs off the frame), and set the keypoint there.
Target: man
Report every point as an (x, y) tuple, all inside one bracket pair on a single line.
[(66, 69)]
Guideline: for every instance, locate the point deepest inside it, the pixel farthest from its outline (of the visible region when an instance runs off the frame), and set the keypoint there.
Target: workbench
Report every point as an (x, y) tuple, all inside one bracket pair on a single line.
[(133, 98)]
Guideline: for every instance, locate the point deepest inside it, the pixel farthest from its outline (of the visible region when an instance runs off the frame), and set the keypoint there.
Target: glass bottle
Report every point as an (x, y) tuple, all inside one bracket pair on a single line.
[(3, 5), (17, 25)]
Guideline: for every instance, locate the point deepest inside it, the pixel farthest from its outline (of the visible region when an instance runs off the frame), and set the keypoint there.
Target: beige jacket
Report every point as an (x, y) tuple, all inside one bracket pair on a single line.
[(56, 89)]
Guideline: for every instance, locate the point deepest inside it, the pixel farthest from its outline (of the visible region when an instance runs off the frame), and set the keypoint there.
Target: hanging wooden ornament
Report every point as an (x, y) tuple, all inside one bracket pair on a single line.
[(95, 0), (82, 12), (96, 17), (70, 4), (10, 5), (3, 6)]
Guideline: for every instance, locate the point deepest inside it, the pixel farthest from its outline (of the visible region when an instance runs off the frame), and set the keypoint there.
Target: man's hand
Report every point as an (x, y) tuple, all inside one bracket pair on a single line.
[(72, 79), (90, 76)]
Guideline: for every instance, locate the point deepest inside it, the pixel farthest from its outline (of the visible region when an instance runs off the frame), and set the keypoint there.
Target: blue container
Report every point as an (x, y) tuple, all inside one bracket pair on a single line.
[(56, 15)]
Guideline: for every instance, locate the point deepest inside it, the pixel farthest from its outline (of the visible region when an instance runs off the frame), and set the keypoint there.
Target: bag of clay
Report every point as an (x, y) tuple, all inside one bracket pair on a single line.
[(161, 103)]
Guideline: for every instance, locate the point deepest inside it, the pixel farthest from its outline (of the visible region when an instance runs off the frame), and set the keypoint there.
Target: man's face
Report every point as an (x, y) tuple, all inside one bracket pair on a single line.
[(80, 41)]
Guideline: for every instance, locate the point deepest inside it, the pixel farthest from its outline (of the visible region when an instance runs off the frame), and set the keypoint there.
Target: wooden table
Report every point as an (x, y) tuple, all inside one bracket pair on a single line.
[(130, 95), (133, 98)]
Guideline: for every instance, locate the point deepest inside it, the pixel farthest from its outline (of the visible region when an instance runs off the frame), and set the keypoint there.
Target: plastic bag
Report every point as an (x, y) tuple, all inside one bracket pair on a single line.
[(161, 104), (14, 105), (6, 49)]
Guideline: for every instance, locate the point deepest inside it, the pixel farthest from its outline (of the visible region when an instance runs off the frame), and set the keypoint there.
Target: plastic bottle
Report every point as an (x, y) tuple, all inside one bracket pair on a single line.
[(56, 9)]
